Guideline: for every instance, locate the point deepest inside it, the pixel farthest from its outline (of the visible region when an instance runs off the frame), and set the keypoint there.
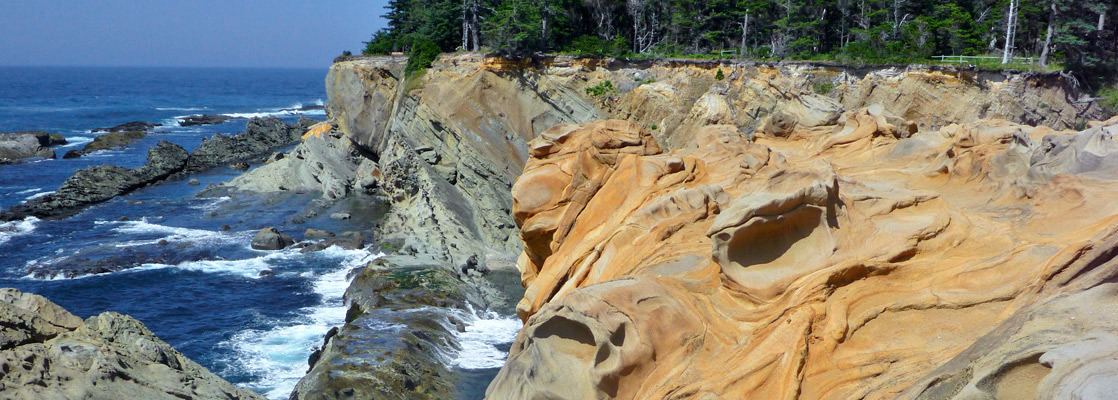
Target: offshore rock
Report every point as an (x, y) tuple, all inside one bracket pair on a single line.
[(16, 146), (134, 126), (862, 259), (109, 141), (46, 352), (103, 182)]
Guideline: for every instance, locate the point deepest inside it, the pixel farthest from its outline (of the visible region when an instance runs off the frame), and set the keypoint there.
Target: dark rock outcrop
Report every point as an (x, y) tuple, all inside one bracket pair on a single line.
[(204, 119), (16, 146), (141, 126), (103, 182), (48, 353), (271, 239), (260, 138)]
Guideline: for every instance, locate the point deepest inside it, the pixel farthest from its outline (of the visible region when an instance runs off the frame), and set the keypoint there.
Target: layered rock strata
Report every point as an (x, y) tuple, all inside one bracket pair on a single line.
[(858, 259), (48, 353)]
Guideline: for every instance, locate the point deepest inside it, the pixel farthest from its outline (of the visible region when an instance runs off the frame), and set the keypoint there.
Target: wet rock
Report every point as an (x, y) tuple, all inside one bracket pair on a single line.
[(193, 182), (204, 119), (46, 353), (226, 228), (163, 242), (139, 126), (97, 184), (239, 166), (266, 272), (271, 239), (339, 216)]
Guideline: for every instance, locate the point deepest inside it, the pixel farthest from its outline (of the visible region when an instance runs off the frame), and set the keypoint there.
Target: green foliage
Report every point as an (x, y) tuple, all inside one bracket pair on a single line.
[(347, 53), (421, 56), (823, 87), (1108, 99), (718, 76), (654, 127), (862, 32), (601, 89)]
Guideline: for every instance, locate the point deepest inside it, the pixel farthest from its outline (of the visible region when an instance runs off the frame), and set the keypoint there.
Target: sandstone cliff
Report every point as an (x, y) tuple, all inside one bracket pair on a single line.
[(48, 353), (858, 259)]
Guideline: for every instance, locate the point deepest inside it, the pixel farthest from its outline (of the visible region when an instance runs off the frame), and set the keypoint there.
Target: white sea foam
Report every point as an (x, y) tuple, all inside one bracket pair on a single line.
[(484, 332), (37, 195), (172, 233), (11, 229), (278, 356), (182, 108), (76, 141), (29, 191)]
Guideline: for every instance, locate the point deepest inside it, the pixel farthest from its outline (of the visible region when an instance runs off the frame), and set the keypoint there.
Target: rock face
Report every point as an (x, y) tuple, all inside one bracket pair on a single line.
[(16, 146), (324, 161), (46, 352), (855, 260), (97, 184)]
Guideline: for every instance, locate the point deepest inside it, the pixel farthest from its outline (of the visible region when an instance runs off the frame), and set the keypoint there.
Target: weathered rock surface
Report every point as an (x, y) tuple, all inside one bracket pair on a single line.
[(15, 146), (324, 161), (103, 182), (857, 260), (48, 353)]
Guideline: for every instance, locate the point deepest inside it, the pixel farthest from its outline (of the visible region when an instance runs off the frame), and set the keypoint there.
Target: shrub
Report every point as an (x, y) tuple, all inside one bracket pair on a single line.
[(601, 89), (421, 55), (823, 87), (380, 44), (1108, 99), (718, 76)]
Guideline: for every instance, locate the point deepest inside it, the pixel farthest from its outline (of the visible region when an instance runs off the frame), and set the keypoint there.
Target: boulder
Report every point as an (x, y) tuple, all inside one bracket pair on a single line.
[(339, 216), (271, 239), (48, 353)]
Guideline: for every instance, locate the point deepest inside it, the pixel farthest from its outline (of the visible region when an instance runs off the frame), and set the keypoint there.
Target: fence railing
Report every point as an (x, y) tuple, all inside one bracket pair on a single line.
[(971, 59)]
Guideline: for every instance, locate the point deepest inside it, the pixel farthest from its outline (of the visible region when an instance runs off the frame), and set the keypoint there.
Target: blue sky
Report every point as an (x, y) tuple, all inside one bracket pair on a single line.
[(212, 33)]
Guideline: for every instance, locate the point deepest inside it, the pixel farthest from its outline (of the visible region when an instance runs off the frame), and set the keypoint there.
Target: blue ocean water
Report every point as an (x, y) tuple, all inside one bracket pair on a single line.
[(200, 290)]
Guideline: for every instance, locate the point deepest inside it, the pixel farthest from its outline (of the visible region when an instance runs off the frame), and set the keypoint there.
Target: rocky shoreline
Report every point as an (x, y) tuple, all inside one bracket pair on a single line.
[(669, 210)]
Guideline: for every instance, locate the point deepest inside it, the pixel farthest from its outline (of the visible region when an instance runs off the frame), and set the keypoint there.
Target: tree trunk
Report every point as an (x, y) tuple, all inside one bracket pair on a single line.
[(1048, 38), (1008, 33), (744, 32), (474, 25), (465, 27)]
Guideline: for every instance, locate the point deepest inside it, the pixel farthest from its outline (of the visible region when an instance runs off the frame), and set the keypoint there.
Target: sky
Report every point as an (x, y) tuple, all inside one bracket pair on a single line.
[(184, 33)]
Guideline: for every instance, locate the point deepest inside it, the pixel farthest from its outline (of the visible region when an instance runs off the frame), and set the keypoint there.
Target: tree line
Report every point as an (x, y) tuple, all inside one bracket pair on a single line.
[(1081, 35)]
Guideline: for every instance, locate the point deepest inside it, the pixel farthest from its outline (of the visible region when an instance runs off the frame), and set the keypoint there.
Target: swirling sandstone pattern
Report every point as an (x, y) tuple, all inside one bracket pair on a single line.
[(855, 259)]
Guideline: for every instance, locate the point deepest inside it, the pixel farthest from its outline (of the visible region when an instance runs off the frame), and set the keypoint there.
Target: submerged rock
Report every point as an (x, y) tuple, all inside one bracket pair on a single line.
[(46, 352)]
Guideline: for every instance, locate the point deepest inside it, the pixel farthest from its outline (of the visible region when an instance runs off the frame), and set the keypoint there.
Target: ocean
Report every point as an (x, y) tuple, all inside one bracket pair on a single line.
[(195, 285)]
